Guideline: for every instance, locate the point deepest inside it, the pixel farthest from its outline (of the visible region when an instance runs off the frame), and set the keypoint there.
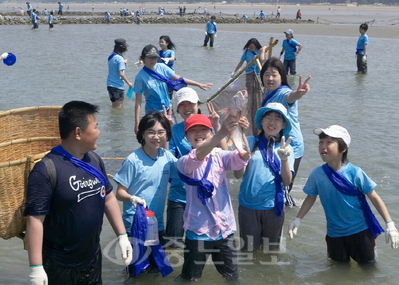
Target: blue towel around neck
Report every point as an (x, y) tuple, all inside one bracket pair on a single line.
[(112, 55), (346, 188), (205, 187), (273, 161), (82, 165), (175, 85)]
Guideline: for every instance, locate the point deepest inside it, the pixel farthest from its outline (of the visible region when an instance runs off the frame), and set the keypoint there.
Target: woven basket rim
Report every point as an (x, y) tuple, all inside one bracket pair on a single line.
[(25, 140), (23, 160), (27, 109)]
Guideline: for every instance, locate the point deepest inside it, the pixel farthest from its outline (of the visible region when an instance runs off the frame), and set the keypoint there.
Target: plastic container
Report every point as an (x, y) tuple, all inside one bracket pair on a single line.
[(130, 93), (152, 229)]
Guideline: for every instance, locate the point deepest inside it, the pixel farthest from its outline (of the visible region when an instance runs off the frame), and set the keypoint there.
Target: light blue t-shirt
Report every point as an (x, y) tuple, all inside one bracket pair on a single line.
[(262, 15), (166, 54), (178, 146), (211, 27), (257, 189), (60, 6), (343, 213), (155, 91), (280, 96), (248, 56), (115, 64), (363, 40), (147, 179), (290, 48), (50, 19)]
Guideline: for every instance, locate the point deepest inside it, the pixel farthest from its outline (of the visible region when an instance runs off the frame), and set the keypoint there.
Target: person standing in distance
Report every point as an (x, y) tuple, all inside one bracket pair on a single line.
[(210, 32), (361, 49), (116, 74)]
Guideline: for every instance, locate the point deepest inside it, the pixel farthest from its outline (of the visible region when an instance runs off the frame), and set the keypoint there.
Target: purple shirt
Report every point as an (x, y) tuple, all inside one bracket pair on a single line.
[(217, 216)]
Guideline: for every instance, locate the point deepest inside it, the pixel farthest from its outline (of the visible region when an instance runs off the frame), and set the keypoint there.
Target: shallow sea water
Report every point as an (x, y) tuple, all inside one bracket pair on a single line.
[(70, 63)]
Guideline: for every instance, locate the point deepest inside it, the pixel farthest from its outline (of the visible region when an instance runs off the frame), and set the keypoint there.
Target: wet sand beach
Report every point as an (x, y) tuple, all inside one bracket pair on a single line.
[(326, 20)]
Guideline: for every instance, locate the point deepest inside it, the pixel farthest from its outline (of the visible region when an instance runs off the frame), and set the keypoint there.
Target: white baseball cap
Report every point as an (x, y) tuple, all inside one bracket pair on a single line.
[(186, 94), (336, 132)]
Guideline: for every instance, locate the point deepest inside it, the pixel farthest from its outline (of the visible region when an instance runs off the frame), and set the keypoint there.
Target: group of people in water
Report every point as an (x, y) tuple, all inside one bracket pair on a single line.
[(191, 158)]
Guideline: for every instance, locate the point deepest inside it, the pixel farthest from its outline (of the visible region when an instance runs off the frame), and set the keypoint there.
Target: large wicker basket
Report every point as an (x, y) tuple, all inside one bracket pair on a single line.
[(26, 135)]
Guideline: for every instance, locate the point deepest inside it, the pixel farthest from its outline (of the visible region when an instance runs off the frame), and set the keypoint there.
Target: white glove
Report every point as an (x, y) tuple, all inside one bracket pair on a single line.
[(206, 33), (38, 276), (166, 60), (296, 53), (232, 74), (293, 227), (216, 35), (137, 200), (4, 55), (364, 58), (391, 234), (285, 150), (126, 248)]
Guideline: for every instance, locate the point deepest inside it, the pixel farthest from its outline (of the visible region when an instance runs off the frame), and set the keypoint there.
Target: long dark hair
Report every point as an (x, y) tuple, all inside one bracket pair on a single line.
[(148, 121), (277, 64), (252, 41), (168, 41)]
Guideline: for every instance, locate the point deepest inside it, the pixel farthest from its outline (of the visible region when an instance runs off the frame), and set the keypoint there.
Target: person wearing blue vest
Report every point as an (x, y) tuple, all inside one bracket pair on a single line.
[(291, 49), (29, 8), (66, 203), (361, 49), (116, 74), (251, 49), (167, 55), (60, 7), (351, 226), (145, 173), (153, 81), (210, 32), (50, 21), (269, 171), (274, 79)]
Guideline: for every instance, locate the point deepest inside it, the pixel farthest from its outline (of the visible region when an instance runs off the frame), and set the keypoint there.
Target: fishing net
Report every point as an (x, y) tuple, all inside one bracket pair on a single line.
[(241, 81)]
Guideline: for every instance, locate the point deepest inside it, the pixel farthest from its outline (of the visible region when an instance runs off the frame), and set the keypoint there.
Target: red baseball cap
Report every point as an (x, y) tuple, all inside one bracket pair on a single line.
[(197, 120)]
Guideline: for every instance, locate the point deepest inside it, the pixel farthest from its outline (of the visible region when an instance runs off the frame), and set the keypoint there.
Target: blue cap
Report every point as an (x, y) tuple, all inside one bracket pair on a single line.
[(289, 32), (278, 107), (10, 59)]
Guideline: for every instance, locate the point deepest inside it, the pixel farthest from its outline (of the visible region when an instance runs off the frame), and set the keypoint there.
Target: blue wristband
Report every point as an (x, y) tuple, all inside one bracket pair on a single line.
[(122, 234), (35, 266)]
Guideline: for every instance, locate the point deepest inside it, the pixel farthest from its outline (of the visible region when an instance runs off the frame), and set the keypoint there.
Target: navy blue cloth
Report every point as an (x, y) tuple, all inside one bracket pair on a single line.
[(82, 165), (270, 95), (175, 85), (205, 187), (292, 45), (112, 55), (273, 161), (138, 234), (346, 188)]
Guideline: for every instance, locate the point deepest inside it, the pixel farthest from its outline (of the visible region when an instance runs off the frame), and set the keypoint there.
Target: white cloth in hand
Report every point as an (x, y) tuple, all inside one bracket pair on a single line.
[(38, 276), (137, 200), (126, 248), (392, 235), (293, 227), (206, 33), (285, 150)]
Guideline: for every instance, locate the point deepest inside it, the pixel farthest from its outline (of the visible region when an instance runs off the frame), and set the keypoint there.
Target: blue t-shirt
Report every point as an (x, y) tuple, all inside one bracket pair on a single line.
[(178, 146), (74, 210), (280, 96), (248, 56), (147, 179), (211, 27), (60, 6), (262, 15), (155, 91), (167, 54), (257, 189), (343, 213), (50, 19), (363, 40), (290, 48), (115, 64)]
